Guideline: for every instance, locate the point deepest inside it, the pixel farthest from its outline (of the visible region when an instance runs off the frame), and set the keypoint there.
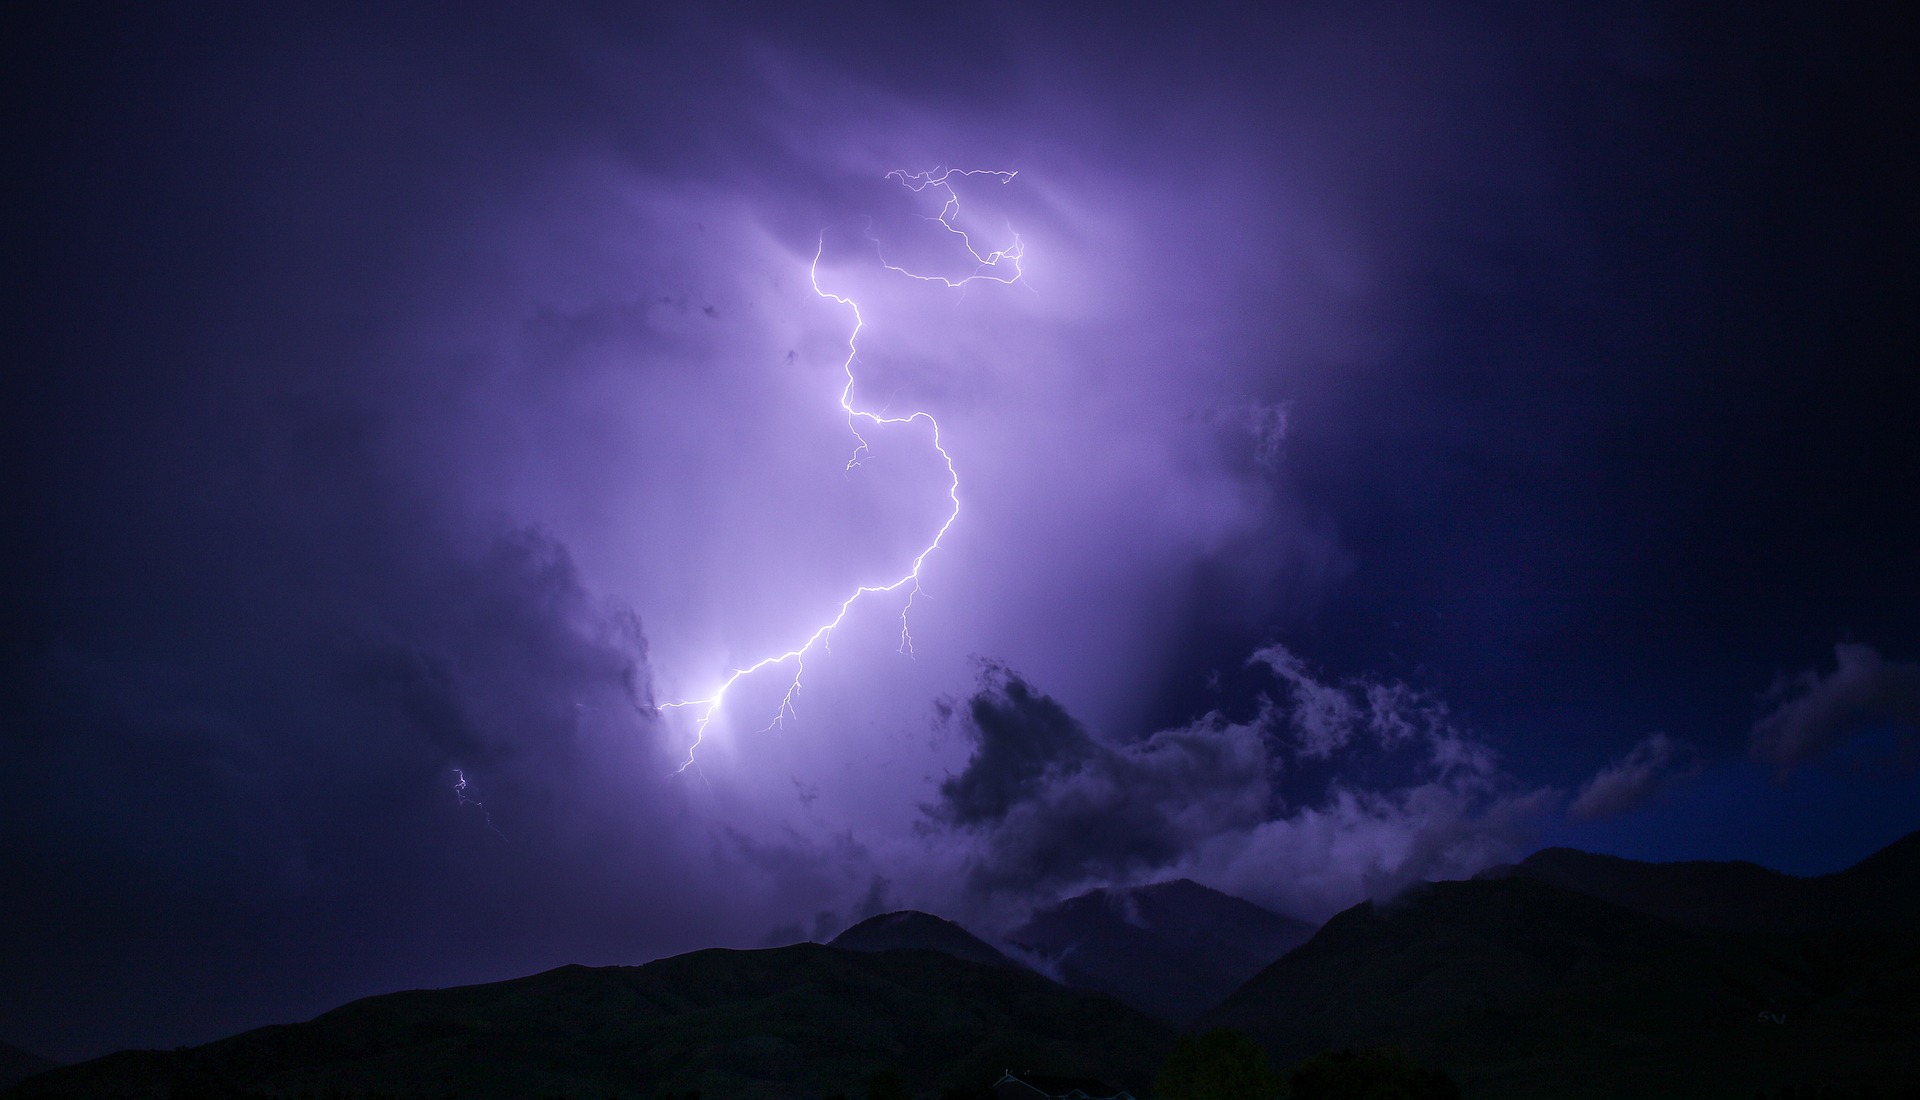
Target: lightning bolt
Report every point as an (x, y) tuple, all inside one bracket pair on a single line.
[(460, 792), (1000, 265)]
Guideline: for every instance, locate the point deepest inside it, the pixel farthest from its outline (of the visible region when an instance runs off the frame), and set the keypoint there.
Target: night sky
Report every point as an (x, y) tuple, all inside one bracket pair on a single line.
[(1418, 434)]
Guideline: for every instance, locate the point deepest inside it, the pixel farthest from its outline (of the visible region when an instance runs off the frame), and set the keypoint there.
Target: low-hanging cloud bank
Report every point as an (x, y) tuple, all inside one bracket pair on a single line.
[(1330, 792)]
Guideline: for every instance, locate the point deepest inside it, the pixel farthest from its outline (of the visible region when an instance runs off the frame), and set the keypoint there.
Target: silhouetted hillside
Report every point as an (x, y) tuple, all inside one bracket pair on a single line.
[(1172, 949), (1881, 891), (1695, 980), (1520, 988), (911, 929), (18, 1065), (800, 1021)]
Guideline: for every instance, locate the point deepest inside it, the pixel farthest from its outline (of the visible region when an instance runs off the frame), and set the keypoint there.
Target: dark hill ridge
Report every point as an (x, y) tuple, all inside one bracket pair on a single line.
[(912, 930), (1650, 980), (1881, 891), (805, 1021), (1520, 988), (1172, 949), (18, 1065)]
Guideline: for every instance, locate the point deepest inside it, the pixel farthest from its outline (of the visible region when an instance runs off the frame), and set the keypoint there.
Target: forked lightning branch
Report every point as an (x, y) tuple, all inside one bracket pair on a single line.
[(1000, 265)]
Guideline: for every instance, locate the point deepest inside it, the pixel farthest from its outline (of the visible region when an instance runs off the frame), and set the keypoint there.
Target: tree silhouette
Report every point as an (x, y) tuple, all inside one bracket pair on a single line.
[(886, 1084), (1221, 1064), (1369, 1075)]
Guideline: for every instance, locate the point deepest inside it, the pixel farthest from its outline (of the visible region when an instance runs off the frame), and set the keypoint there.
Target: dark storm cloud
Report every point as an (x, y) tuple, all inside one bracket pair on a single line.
[(1810, 713), (1020, 736), (1410, 795), (255, 790), (1634, 780), (1056, 807)]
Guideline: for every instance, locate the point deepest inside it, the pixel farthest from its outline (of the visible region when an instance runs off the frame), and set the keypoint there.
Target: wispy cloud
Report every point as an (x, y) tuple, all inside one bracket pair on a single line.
[(1635, 779), (1809, 714)]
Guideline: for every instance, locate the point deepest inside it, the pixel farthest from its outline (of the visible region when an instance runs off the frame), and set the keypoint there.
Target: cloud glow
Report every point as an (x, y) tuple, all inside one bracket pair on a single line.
[(991, 266)]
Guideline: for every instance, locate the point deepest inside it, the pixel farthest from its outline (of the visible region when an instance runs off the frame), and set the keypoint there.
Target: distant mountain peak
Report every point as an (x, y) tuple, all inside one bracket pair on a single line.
[(913, 930), (17, 1065), (1172, 949), (1169, 898), (1902, 857), (1563, 855), (1882, 889), (1179, 884), (1671, 979)]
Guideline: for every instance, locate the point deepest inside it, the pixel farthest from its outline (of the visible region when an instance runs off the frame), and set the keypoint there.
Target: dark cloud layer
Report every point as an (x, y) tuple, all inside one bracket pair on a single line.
[(226, 802), (1058, 808), (1020, 736)]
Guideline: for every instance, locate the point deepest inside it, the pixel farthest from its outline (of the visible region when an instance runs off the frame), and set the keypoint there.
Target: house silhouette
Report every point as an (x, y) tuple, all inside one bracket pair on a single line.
[(1041, 1086)]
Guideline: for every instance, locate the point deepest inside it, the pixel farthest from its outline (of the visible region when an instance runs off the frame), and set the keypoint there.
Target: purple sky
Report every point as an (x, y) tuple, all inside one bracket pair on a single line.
[(1420, 434)]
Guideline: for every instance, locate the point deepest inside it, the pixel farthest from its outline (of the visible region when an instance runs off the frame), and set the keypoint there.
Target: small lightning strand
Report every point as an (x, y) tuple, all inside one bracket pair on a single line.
[(920, 181), (460, 792), (988, 268)]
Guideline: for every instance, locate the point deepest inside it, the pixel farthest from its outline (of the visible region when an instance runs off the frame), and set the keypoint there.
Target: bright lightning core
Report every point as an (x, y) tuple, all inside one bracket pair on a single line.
[(999, 266)]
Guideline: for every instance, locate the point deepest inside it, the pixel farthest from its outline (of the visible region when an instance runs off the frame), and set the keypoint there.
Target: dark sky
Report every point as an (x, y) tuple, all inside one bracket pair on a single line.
[(1417, 434)]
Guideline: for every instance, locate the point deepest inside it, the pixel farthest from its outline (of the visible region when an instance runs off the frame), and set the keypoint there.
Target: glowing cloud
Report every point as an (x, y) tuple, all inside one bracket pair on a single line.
[(1000, 266)]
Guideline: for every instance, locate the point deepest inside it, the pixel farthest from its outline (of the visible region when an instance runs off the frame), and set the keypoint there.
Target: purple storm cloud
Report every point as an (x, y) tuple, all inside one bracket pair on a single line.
[(1301, 442), (1001, 265), (1048, 808)]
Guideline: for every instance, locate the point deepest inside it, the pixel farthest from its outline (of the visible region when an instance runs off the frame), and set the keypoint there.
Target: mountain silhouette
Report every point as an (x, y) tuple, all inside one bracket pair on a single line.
[(1520, 986), (1882, 890), (1172, 949), (910, 929), (18, 1065), (1569, 975), (799, 1021)]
